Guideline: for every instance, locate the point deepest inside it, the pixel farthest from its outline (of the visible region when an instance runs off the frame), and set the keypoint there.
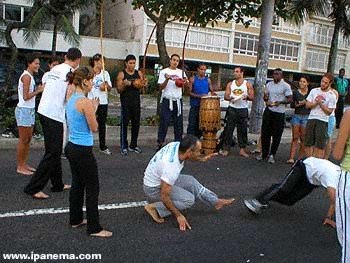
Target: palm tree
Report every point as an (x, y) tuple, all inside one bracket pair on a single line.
[(336, 10)]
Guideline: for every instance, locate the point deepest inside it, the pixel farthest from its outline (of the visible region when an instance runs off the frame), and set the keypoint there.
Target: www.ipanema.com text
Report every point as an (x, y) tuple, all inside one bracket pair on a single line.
[(37, 257)]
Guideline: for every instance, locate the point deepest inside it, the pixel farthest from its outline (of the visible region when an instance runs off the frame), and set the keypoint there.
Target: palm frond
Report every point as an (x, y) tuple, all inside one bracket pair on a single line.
[(31, 36), (300, 10), (69, 34)]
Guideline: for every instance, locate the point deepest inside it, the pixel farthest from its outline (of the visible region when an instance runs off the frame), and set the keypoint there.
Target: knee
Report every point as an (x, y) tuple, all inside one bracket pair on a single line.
[(189, 201)]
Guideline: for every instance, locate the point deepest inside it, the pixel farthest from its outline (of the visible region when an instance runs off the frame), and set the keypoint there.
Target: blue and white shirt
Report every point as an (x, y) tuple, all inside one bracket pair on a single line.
[(164, 166), (96, 92)]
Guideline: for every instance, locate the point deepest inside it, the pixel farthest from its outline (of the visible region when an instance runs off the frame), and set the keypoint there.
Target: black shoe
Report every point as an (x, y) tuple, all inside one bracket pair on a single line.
[(124, 152), (135, 150)]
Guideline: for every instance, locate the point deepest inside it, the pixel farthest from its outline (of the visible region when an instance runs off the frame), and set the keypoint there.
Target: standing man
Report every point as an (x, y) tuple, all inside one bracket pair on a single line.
[(238, 92), (172, 191), (199, 86), (277, 95), (131, 105), (52, 116), (342, 87), (171, 101), (322, 102), (101, 86)]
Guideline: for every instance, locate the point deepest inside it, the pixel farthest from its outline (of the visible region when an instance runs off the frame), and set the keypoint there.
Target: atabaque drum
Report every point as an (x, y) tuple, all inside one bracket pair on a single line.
[(209, 142), (209, 114)]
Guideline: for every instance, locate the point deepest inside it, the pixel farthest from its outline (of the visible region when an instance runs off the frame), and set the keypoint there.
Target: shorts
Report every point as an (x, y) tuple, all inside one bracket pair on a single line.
[(25, 117), (331, 125), (316, 133), (299, 120)]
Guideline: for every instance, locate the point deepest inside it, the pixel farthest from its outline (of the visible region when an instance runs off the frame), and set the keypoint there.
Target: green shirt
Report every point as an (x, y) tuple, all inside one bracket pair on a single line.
[(342, 86)]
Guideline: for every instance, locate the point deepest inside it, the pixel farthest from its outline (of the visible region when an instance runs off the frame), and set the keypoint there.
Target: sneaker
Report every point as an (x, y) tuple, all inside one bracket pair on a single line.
[(124, 152), (135, 150), (259, 158), (8, 134), (271, 159), (253, 205), (106, 151), (38, 136)]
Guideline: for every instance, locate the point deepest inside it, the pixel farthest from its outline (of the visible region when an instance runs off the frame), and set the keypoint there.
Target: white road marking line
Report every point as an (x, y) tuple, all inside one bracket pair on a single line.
[(62, 210)]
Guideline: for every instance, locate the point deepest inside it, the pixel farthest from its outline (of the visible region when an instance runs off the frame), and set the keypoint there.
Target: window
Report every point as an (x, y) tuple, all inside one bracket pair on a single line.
[(318, 59), (247, 44), (13, 13)]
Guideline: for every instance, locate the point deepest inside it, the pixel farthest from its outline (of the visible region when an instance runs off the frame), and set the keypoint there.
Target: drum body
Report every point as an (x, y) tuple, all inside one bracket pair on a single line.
[(209, 122)]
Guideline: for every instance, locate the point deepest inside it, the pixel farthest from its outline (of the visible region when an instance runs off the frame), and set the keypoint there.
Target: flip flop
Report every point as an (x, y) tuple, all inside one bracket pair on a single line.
[(29, 173), (41, 196)]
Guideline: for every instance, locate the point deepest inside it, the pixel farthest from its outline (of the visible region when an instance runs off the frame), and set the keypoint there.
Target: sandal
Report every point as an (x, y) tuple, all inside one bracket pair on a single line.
[(82, 223), (290, 161), (40, 195)]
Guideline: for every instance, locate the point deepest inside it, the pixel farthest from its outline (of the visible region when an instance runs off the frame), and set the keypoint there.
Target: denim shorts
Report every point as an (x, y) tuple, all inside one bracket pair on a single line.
[(331, 125), (25, 117), (299, 120)]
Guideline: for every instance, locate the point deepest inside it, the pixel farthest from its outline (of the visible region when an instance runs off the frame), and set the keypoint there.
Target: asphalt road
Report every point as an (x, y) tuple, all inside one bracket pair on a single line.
[(279, 235)]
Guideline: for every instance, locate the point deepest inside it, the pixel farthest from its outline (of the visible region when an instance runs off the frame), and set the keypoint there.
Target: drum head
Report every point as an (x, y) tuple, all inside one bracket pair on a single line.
[(210, 97)]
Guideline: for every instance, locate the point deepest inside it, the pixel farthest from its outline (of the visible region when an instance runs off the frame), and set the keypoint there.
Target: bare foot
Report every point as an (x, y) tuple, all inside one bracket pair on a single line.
[(32, 169), (40, 195), (243, 153), (224, 153), (24, 171), (223, 202), (102, 233), (67, 187), (329, 222), (83, 223), (152, 211)]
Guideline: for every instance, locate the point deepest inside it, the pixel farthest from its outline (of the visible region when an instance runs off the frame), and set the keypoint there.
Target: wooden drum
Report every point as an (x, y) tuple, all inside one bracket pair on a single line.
[(209, 142), (209, 114)]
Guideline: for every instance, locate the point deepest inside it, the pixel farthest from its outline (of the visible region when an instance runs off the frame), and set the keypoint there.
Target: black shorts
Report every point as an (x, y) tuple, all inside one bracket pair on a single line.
[(316, 134)]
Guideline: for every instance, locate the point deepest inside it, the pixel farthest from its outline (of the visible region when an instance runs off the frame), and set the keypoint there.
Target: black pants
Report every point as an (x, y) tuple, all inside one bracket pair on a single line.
[(272, 126), (339, 110), (50, 165), (236, 118), (84, 178), (294, 187), (165, 116), (193, 122), (129, 112), (101, 114)]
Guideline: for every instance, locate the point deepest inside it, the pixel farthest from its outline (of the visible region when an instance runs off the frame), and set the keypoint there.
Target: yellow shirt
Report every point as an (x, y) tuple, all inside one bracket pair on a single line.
[(345, 165)]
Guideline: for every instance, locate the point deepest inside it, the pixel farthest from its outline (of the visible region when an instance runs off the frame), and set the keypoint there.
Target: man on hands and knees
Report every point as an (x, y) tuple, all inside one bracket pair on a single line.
[(172, 191), (301, 180)]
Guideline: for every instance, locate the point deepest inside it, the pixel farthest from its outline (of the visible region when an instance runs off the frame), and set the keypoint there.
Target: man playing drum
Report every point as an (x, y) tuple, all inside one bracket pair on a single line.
[(199, 86), (172, 191), (238, 92)]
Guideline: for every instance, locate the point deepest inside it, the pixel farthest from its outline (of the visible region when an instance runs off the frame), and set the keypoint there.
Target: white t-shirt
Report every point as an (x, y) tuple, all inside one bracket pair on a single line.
[(330, 100), (237, 92), (52, 103), (322, 172), (26, 103), (171, 91), (45, 76), (95, 91), (164, 166)]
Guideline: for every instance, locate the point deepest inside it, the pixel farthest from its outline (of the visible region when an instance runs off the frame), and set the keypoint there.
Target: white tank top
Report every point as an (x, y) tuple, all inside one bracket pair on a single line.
[(236, 93), (26, 103)]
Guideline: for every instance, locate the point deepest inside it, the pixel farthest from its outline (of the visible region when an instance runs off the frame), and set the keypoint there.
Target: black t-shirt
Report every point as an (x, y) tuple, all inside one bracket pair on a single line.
[(297, 97), (130, 94)]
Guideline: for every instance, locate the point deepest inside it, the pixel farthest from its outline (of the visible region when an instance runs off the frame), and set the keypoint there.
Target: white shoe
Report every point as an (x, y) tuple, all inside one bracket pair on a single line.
[(271, 159), (106, 151)]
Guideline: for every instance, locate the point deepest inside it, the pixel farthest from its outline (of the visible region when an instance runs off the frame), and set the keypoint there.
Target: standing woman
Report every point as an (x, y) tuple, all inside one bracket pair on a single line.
[(299, 119), (341, 150), (101, 85), (82, 122), (25, 113)]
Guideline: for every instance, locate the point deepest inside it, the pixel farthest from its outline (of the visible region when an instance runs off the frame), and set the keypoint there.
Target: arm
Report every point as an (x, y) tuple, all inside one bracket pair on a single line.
[(228, 92), (122, 84), (141, 75), (190, 86), (88, 108), (165, 190), (163, 80), (328, 220), (106, 85), (250, 92), (26, 80), (343, 135), (211, 88)]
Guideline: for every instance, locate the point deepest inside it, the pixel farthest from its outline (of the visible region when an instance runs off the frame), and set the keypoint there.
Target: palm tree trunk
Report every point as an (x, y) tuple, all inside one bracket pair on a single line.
[(332, 57), (54, 36), (262, 65)]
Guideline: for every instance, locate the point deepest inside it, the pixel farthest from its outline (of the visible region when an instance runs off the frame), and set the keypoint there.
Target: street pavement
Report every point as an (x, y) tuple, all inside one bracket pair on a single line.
[(279, 235)]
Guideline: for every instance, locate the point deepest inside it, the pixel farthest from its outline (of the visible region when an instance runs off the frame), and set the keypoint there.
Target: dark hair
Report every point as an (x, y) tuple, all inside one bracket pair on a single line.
[(54, 59), (174, 55), (329, 76), (188, 142), (129, 57), (342, 69), (29, 59), (202, 65), (73, 53), (305, 77), (79, 75), (278, 69), (94, 58), (241, 68)]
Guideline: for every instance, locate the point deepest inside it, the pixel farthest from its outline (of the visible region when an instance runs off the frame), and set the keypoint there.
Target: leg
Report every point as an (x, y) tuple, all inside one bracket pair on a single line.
[(294, 144), (124, 122), (25, 135), (242, 131), (278, 127), (302, 153), (178, 122), (266, 133), (193, 121), (231, 122), (135, 124), (165, 115), (339, 110), (101, 113)]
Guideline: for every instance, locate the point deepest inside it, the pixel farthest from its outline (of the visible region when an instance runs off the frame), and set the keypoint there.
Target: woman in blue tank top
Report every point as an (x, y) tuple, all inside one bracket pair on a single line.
[(82, 122)]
